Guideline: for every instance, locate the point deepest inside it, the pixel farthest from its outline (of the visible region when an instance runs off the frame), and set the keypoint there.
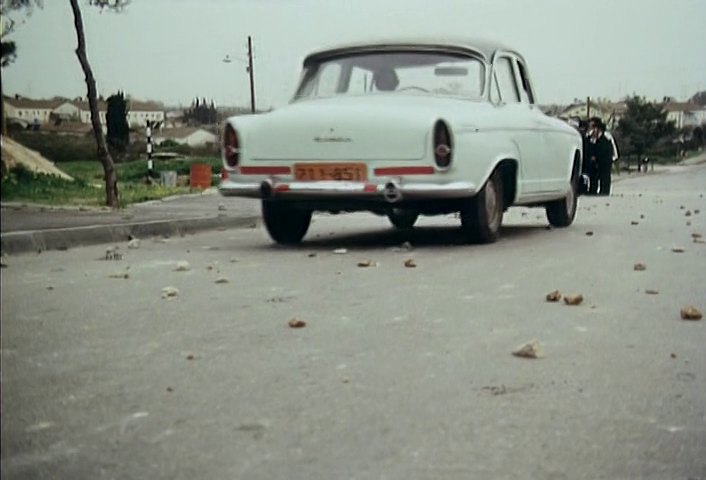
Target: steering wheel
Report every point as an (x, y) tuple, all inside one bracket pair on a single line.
[(412, 87)]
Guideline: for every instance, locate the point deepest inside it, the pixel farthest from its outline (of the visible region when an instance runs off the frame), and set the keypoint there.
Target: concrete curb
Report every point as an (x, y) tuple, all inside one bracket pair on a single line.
[(65, 238)]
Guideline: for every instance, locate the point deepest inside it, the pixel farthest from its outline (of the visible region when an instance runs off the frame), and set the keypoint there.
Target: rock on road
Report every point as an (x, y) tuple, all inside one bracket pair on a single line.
[(398, 372)]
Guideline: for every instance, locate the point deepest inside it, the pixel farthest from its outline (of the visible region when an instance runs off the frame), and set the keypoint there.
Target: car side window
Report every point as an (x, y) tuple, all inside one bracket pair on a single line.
[(328, 78), (506, 80), (525, 89)]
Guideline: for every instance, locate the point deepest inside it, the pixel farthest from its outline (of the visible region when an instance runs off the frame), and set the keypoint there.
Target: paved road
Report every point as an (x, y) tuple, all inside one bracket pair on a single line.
[(399, 373)]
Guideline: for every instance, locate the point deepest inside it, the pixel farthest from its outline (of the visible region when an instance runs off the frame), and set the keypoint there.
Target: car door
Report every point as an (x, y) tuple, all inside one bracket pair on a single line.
[(551, 164), (519, 122)]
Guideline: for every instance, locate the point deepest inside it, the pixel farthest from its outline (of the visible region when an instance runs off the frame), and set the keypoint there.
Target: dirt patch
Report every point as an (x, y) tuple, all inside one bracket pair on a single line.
[(14, 154)]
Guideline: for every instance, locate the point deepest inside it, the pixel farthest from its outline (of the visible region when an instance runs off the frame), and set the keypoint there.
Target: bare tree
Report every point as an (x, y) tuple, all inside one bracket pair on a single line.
[(111, 177)]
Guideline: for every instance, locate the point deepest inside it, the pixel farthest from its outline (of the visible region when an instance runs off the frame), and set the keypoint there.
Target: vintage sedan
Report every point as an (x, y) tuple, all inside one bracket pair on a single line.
[(403, 128)]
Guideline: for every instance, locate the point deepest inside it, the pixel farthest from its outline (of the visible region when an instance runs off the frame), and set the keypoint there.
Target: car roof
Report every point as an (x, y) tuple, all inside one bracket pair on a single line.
[(484, 47)]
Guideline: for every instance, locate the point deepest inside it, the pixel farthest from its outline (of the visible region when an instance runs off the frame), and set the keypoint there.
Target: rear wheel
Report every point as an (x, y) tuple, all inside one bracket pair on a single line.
[(402, 219), (561, 213), (483, 214), (285, 225)]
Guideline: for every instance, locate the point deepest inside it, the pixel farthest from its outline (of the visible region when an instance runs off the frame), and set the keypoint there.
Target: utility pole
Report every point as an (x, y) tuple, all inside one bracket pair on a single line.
[(588, 107), (252, 78)]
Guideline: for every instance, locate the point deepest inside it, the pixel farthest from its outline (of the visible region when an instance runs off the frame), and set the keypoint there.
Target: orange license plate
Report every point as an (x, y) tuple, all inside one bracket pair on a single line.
[(351, 172)]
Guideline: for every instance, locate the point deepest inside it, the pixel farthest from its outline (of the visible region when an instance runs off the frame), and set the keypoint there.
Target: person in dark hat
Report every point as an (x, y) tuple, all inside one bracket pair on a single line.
[(601, 157)]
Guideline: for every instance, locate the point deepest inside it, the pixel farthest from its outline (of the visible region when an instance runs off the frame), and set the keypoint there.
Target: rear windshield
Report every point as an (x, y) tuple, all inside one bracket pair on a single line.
[(426, 73)]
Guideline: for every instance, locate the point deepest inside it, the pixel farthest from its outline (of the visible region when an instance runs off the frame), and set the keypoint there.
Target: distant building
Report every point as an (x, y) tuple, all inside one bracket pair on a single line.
[(685, 114), (45, 111), (192, 136)]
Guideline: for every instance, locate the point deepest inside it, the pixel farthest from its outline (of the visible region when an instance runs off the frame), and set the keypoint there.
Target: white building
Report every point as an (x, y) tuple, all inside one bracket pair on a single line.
[(192, 136), (44, 111), (685, 114)]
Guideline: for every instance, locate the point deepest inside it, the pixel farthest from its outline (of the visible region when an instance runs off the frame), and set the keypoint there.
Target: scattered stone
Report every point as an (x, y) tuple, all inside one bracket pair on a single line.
[(688, 213), (688, 224), (410, 263), (589, 234), (695, 235), (681, 207), (122, 275), (134, 243), (340, 251), (297, 323), (183, 266), (222, 280), (311, 255), (211, 266), (607, 204), (190, 357), (639, 267), (699, 240), (673, 355), (113, 254), (170, 389), (367, 263), (221, 207), (634, 222), (528, 350), (50, 287), (573, 299), (677, 250), (170, 292), (690, 313), (697, 211), (233, 260), (345, 380), (642, 217), (650, 291), (554, 296)]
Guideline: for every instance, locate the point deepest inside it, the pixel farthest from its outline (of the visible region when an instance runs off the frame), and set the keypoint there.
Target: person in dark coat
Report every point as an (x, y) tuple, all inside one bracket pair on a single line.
[(589, 165), (601, 152)]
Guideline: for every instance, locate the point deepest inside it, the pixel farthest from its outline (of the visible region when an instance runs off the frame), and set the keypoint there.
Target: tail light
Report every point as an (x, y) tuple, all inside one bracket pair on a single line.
[(443, 151), (231, 146)]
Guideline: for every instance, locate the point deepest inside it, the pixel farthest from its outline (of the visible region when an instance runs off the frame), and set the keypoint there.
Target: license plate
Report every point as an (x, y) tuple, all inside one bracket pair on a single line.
[(352, 172)]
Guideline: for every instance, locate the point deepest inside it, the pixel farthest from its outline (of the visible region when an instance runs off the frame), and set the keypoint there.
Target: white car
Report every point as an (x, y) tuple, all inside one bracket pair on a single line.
[(404, 128)]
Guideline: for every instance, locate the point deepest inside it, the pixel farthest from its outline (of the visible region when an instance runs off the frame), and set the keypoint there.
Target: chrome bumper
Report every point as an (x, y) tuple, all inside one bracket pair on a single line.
[(390, 191)]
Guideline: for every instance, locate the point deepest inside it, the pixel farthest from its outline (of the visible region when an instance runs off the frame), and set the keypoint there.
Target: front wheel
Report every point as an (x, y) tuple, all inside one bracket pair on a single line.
[(482, 216), (561, 213), (402, 219), (285, 225)]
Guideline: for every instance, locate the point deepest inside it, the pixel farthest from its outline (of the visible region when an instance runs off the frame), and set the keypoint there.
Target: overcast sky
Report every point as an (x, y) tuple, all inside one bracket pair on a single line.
[(173, 50)]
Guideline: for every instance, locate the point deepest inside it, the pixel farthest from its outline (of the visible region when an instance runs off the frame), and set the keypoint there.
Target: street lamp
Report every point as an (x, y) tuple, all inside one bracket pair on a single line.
[(229, 59)]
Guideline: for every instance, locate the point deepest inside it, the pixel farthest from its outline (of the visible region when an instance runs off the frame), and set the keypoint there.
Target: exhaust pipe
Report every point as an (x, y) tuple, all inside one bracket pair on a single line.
[(391, 193)]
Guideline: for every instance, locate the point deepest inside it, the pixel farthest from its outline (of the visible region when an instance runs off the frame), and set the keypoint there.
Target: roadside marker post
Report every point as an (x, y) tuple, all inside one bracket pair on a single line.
[(150, 164)]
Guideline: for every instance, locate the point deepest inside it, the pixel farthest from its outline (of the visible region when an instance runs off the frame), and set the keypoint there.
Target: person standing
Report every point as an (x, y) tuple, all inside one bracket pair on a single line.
[(589, 147), (602, 157)]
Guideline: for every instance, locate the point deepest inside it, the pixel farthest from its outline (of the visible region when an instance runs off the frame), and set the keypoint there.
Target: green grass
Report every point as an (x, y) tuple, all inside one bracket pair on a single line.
[(137, 170), (88, 188)]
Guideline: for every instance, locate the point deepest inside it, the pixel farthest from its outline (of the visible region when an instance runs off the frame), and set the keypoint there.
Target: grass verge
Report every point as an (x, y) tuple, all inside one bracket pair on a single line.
[(21, 184)]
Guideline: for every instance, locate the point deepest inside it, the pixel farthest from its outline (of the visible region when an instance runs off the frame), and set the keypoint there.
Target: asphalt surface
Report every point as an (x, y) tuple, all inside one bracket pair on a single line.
[(32, 228), (399, 373)]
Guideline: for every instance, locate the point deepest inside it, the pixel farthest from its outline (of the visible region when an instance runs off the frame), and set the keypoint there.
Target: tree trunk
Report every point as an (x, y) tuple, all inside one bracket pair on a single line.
[(111, 178)]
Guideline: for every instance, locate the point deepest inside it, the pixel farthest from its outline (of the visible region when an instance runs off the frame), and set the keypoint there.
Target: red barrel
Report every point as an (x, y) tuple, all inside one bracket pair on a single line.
[(200, 175)]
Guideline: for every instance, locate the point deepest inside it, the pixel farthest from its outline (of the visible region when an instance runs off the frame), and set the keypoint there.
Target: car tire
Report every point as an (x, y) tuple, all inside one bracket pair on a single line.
[(561, 213), (482, 216), (402, 219), (285, 225)]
